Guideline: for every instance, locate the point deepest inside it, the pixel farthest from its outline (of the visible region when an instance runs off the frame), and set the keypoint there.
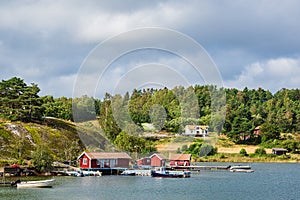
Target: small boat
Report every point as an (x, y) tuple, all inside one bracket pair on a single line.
[(242, 170), (75, 173), (240, 167), (163, 173), (35, 184), (128, 173), (91, 173)]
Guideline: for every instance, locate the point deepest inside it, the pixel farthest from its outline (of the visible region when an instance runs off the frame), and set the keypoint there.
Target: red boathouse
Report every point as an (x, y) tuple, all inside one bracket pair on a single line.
[(180, 160), (104, 160)]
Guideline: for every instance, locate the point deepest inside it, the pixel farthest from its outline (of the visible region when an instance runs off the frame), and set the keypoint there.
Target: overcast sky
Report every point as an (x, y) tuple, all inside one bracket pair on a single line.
[(252, 43)]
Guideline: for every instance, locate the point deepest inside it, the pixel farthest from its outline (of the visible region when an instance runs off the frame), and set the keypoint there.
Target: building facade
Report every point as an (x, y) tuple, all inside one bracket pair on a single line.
[(196, 130), (104, 160)]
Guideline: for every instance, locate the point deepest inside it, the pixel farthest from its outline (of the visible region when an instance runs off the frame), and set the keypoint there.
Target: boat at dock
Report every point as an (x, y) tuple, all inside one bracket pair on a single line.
[(161, 172), (239, 167), (242, 170), (35, 184), (136, 172), (128, 173), (91, 173)]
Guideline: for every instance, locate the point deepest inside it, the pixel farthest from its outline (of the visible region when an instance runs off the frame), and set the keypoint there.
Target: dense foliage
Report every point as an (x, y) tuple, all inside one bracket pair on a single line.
[(168, 110), (18, 101)]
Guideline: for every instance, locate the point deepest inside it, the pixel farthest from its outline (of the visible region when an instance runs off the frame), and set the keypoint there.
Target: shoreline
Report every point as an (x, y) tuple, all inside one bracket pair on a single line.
[(239, 159)]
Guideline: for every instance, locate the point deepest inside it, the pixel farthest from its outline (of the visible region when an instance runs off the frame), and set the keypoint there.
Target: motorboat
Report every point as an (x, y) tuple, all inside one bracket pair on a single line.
[(128, 173), (35, 184), (161, 172), (240, 167)]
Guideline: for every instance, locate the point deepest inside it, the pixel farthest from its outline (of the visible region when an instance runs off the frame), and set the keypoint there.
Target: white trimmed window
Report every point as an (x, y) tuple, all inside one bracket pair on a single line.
[(84, 161)]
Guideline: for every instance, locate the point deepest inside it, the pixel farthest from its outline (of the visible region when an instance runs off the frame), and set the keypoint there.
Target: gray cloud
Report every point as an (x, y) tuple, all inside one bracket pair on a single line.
[(46, 42)]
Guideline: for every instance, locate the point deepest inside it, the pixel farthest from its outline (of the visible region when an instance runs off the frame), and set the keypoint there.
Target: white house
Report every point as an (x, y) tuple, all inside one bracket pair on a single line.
[(196, 130)]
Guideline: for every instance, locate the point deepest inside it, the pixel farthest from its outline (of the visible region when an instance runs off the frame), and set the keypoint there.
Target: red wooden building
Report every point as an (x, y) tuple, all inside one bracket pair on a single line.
[(155, 160), (180, 159), (158, 160), (143, 162), (104, 160)]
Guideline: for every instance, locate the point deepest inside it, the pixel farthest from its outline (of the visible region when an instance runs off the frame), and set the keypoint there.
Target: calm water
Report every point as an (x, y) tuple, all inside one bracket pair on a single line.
[(269, 181)]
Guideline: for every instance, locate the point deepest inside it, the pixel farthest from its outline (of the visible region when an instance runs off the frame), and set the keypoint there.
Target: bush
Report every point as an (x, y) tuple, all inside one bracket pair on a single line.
[(207, 150), (260, 151), (222, 156), (290, 145), (184, 148), (243, 152)]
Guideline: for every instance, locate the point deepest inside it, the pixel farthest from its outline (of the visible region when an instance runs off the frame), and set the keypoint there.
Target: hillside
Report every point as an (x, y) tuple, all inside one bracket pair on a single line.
[(65, 140)]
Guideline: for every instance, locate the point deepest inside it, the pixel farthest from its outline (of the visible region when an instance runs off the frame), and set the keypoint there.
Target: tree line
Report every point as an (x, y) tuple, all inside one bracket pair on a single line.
[(122, 116)]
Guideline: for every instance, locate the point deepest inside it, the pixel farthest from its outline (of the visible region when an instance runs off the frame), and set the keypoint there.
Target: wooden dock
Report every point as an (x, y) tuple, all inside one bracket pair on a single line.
[(199, 168), (5, 184)]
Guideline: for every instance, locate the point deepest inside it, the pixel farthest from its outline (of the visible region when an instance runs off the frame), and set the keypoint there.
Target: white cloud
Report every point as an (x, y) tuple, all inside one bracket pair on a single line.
[(58, 86), (272, 74)]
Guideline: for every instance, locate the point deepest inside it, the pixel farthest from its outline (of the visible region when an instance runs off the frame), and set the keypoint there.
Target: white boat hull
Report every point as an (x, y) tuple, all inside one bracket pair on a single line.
[(240, 167), (36, 184)]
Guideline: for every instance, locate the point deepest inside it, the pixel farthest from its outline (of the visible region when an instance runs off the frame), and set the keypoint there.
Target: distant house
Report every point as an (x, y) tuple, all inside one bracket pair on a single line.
[(279, 151), (104, 160), (158, 160), (180, 160), (256, 130), (196, 130)]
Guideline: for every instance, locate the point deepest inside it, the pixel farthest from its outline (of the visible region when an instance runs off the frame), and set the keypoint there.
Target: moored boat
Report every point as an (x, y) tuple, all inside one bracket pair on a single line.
[(128, 173), (240, 167), (163, 173), (35, 184), (242, 170)]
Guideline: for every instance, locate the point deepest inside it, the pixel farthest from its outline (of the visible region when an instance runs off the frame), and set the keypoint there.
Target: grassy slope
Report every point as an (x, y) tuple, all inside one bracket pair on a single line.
[(57, 134), (227, 152)]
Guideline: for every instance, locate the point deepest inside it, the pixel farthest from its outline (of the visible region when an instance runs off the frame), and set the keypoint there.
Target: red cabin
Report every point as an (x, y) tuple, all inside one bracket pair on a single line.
[(144, 161), (158, 160), (104, 160), (180, 159)]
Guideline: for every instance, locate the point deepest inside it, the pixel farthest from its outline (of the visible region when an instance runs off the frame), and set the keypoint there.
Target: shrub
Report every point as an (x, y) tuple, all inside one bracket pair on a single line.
[(222, 156), (184, 148), (207, 150), (260, 151), (243, 152)]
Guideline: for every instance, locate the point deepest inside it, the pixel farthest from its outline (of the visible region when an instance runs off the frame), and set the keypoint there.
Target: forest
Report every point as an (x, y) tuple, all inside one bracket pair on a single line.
[(229, 111)]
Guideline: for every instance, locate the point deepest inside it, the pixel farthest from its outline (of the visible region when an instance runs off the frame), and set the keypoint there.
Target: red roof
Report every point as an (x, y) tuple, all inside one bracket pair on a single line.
[(106, 155), (257, 128), (161, 157), (180, 157)]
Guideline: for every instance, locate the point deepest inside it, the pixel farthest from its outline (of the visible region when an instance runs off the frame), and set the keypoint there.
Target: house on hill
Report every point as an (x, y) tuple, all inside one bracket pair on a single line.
[(180, 160), (256, 130), (97, 160), (196, 130)]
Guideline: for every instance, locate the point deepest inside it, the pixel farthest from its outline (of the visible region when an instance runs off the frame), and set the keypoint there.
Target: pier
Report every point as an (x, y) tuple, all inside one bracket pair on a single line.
[(198, 168)]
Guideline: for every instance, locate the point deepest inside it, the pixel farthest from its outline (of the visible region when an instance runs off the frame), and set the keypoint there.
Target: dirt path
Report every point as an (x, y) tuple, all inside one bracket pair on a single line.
[(237, 148), (170, 147)]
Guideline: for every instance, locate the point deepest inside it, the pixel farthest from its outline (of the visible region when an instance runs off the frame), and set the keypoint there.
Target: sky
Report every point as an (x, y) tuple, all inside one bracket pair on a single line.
[(250, 43)]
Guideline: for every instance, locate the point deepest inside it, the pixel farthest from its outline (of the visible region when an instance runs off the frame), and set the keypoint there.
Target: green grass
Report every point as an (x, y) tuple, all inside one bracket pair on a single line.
[(55, 133)]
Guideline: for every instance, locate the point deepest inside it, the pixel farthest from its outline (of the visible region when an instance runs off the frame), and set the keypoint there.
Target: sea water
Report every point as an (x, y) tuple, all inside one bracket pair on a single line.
[(269, 181)]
